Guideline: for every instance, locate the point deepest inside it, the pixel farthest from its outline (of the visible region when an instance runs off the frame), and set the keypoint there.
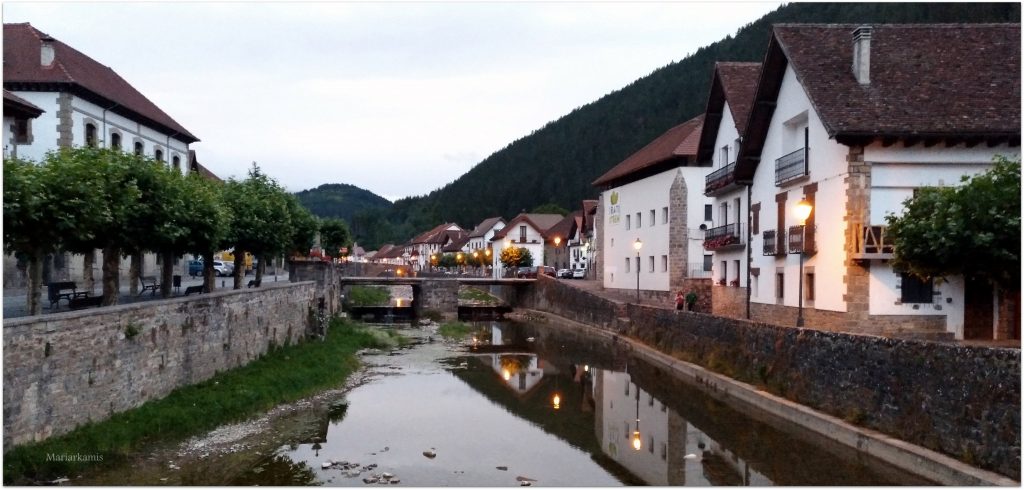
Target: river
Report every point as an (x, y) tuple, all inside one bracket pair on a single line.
[(510, 405)]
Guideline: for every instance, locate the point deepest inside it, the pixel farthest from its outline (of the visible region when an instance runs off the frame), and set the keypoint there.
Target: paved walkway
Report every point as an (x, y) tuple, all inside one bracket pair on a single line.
[(15, 301), (596, 288)]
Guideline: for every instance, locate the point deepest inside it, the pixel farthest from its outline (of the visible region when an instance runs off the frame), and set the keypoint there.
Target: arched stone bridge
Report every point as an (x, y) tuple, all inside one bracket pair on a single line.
[(439, 294)]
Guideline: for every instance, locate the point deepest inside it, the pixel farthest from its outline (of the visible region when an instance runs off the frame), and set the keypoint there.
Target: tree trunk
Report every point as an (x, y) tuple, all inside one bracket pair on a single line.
[(261, 267), (88, 262), (134, 271), (111, 275), (209, 279), (239, 268), (35, 283), (167, 274)]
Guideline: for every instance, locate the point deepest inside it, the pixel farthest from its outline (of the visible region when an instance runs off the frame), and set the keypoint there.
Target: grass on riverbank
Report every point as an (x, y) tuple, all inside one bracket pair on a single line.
[(474, 295), (454, 330), (283, 375), (368, 296)]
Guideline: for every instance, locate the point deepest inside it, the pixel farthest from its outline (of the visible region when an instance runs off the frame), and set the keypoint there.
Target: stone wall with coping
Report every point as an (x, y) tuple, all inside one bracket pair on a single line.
[(67, 369), (962, 401)]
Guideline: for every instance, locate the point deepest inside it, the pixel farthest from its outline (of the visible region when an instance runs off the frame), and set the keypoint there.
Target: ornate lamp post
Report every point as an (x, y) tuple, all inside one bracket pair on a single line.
[(802, 211), (638, 245)]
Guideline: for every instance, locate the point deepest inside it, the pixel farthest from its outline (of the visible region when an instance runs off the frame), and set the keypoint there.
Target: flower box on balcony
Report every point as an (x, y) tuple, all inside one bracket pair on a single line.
[(719, 242)]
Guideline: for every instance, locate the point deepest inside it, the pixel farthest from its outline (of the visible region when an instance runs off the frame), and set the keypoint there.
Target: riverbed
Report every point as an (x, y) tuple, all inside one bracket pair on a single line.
[(511, 404)]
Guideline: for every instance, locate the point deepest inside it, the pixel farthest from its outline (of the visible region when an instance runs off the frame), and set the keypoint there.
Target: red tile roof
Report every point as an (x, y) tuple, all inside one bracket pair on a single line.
[(539, 222), (434, 235), (485, 226), (924, 78), (735, 83), (74, 71), (565, 227), (679, 142), (958, 82), (16, 106)]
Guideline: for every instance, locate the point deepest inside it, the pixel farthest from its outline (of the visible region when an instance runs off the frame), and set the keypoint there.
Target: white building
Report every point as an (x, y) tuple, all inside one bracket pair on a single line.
[(854, 119), (725, 242), (19, 115), (656, 197), (526, 230), (84, 103), (480, 237)]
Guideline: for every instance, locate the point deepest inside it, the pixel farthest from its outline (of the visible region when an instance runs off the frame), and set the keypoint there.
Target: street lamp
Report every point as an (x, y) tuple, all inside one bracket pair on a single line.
[(638, 245), (802, 211), (433, 261)]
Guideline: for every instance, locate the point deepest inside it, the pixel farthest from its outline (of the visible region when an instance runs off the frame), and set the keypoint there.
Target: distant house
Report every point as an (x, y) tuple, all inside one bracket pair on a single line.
[(582, 251), (853, 119), (430, 242), (725, 241), (480, 237), (654, 198), (563, 234), (526, 230)]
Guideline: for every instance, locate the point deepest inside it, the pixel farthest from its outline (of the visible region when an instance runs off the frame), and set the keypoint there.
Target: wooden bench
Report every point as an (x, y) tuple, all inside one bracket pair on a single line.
[(56, 291), (85, 302), (254, 283), (194, 289), (149, 283)]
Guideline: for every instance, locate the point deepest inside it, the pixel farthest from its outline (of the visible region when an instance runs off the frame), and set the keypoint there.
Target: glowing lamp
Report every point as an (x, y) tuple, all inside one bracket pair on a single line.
[(638, 245), (803, 210), (556, 401), (636, 440)]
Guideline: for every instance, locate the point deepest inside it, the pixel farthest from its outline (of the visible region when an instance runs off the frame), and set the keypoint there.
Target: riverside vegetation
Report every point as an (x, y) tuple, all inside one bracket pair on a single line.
[(282, 375)]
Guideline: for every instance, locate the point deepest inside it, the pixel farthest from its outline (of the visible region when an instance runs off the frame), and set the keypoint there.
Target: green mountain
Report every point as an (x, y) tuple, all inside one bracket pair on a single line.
[(350, 203), (556, 163)]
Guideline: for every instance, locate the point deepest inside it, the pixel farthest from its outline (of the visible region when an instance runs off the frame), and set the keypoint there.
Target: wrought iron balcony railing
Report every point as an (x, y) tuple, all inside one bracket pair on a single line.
[(720, 179), (791, 167), (770, 244), (724, 237), (801, 240)]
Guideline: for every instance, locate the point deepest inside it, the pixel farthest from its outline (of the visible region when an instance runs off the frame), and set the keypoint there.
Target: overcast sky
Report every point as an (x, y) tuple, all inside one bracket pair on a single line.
[(398, 98)]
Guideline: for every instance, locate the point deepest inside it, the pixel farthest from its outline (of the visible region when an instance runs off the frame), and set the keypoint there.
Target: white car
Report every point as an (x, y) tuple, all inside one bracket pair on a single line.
[(579, 273), (223, 268)]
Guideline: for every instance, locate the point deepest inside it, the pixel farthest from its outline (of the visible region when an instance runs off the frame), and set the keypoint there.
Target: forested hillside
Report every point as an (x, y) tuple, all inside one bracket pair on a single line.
[(556, 163)]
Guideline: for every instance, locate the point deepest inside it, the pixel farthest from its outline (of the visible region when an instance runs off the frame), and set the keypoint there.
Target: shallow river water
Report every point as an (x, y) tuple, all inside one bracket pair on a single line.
[(512, 403)]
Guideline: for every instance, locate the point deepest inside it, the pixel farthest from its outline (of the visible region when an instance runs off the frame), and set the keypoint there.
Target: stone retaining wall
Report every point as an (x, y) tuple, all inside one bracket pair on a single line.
[(958, 400), (66, 369)]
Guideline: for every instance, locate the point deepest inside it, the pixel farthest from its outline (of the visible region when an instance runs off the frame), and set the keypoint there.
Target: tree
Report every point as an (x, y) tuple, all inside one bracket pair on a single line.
[(526, 257), (304, 229), (205, 220), (259, 219), (972, 230), (512, 257), (550, 208), (333, 236), (29, 222)]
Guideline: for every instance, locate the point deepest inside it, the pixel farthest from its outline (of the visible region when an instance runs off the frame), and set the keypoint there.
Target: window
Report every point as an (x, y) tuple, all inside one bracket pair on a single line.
[(22, 131), (522, 234), (628, 217), (664, 215), (176, 162), (627, 270), (650, 263), (664, 451), (652, 218), (638, 223), (115, 140), (664, 263), (650, 400), (90, 135), (158, 154), (650, 444), (753, 286), (724, 155), (138, 148), (708, 262), (914, 290), (707, 212), (723, 214), (724, 272), (627, 394), (737, 210), (625, 425), (809, 286), (779, 285), (736, 267)]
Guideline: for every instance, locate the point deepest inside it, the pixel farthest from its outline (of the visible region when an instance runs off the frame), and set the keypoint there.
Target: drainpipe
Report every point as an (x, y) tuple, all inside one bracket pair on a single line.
[(748, 257)]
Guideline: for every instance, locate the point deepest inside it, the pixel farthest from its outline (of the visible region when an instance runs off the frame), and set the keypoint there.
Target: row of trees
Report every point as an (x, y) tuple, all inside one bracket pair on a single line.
[(82, 199)]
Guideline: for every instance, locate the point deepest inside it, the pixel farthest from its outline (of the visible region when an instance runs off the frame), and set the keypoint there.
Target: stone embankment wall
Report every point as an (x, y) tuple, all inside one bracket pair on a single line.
[(66, 369), (959, 400)]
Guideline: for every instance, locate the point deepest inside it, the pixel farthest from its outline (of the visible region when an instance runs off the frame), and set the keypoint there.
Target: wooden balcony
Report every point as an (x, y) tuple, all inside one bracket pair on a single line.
[(721, 181), (791, 167), (871, 243)]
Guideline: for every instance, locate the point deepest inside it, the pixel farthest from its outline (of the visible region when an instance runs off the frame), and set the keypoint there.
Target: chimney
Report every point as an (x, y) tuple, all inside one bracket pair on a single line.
[(46, 53), (862, 54)]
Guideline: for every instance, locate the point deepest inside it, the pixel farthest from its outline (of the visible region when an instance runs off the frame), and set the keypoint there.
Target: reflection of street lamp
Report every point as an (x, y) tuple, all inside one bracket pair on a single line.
[(636, 433), (638, 245), (458, 259), (803, 211), (476, 258), (556, 401)]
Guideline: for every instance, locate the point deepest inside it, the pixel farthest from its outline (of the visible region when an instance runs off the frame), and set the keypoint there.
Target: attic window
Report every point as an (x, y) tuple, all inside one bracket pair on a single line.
[(90, 135)]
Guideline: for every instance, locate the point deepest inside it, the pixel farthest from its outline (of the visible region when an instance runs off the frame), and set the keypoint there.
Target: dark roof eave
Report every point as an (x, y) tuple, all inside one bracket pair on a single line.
[(643, 173)]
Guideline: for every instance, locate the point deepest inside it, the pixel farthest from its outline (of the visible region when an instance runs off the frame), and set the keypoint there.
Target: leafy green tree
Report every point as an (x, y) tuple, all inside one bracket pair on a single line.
[(971, 230), (333, 236), (259, 222), (447, 260), (513, 257), (29, 222), (304, 229), (205, 219), (526, 258)]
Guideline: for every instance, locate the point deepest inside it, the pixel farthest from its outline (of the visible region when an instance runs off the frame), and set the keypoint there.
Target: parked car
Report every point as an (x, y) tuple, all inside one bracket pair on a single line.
[(579, 274), (564, 273), (526, 273), (223, 268), (195, 268), (546, 270)]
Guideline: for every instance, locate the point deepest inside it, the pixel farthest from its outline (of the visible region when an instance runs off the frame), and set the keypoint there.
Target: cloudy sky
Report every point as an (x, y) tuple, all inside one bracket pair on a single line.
[(399, 98)]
